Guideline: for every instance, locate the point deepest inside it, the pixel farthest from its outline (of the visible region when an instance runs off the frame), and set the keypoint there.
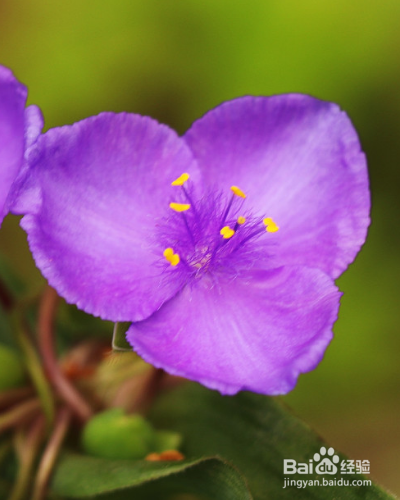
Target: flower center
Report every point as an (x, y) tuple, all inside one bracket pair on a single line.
[(213, 232)]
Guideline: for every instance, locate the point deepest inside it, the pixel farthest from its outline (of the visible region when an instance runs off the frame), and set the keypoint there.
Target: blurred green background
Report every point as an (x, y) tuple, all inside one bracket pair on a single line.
[(174, 60)]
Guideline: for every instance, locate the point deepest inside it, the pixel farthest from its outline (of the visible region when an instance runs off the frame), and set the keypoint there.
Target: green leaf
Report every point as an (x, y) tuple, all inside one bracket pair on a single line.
[(119, 342), (82, 477), (254, 433)]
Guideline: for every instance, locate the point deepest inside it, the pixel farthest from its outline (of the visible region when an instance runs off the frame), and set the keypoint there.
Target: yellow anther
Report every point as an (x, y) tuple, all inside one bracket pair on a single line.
[(168, 252), (172, 258), (179, 207), (180, 181), (238, 192), (227, 232), (175, 259), (241, 220), (271, 226)]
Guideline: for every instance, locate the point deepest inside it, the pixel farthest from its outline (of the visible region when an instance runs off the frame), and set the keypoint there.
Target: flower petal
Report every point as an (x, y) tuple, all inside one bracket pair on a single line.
[(12, 128), (257, 333), (24, 193), (104, 183), (299, 161)]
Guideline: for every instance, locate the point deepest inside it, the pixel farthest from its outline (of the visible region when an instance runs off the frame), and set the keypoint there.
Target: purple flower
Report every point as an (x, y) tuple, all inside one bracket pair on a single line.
[(221, 246), (19, 128)]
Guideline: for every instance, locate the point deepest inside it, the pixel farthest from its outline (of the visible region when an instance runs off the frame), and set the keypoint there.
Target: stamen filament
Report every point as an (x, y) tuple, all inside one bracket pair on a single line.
[(189, 230), (189, 199), (251, 235), (227, 209), (235, 192), (240, 221), (180, 181)]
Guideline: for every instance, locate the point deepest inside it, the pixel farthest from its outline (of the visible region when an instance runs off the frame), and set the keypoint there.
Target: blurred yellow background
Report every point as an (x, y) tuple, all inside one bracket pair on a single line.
[(174, 60)]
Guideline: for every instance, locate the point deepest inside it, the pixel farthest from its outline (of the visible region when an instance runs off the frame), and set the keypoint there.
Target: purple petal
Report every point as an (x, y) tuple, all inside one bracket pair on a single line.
[(25, 194), (299, 161), (33, 126), (12, 128), (104, 183), (257, 333)]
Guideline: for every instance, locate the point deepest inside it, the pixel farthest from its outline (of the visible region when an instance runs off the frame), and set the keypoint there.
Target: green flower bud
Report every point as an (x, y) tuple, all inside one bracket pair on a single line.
[(166, 440), (115, 435)]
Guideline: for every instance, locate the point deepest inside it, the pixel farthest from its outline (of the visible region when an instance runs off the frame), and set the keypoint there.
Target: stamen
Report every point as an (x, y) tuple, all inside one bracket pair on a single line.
[(227, 209), (180, 181), (271, 226), (189, 199), (237, 191), (179, 207), (172, 258), (227, 232), (168, 252), (241, 220), (188, 228), (175, 260)]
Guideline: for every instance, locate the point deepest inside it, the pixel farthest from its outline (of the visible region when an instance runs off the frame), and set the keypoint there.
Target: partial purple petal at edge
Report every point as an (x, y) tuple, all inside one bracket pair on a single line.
[(12, 128)]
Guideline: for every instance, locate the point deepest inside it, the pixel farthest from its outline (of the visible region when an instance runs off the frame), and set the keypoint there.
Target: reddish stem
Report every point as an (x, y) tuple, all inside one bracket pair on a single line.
[(71, 396), (14, 396), (50, 454), (19, 414)]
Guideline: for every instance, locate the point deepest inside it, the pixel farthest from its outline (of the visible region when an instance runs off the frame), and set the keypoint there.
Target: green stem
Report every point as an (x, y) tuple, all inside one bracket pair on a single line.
[(27, 450), (37, 374), (50, 454)]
